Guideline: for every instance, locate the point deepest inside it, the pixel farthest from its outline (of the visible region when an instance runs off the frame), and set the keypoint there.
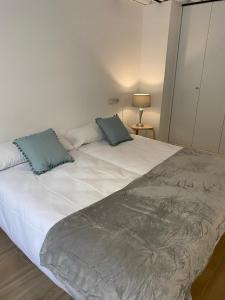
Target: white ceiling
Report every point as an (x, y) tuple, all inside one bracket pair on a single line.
[(148, 2)]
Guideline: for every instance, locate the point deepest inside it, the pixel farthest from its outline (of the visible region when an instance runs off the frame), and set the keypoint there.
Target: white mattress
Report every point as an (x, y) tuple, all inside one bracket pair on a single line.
[(30, 205)]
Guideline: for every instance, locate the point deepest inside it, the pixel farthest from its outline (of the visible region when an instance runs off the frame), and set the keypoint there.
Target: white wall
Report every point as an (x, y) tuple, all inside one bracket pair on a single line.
[(160, 38), (155, 30), (170, 70), (153, 59), (60, 61)]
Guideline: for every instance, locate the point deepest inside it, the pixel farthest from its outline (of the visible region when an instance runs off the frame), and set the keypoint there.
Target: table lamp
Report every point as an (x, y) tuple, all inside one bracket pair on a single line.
[(141, 101)]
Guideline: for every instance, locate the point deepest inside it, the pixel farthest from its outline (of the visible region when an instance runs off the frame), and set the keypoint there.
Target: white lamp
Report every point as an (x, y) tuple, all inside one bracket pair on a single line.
[(141, 101)]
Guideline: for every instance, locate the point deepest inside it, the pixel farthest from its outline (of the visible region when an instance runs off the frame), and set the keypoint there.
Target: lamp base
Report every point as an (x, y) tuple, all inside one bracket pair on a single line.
[(140, 125)]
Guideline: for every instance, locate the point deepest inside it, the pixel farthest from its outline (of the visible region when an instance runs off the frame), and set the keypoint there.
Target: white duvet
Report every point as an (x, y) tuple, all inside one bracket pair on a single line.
[(30, 205)]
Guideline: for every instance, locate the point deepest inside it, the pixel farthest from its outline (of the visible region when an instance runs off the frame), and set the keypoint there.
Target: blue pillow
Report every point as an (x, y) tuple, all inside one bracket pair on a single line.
[(43, 151), (114, 130)]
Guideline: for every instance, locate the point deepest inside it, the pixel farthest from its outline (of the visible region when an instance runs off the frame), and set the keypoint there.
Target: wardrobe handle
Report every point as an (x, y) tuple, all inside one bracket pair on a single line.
[(197, 88)]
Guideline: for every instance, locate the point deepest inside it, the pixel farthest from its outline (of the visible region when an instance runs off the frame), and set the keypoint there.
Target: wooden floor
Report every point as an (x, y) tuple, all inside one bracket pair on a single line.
[(211, 284), (21, 280)]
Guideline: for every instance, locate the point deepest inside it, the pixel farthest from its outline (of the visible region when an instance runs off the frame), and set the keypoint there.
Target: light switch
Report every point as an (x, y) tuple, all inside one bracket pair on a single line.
[(113, 101)]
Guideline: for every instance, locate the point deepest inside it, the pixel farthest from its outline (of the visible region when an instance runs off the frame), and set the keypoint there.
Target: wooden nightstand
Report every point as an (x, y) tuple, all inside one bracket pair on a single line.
[(145, 127)]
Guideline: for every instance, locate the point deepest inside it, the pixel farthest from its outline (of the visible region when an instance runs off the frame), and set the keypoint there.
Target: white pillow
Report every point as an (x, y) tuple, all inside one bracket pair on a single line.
[(86, 134), (10, 156), (65, 142), (129, 129)]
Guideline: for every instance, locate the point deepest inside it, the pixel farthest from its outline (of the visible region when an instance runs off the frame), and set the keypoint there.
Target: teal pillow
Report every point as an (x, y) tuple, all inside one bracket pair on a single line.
[(114, 130), (43, 151)]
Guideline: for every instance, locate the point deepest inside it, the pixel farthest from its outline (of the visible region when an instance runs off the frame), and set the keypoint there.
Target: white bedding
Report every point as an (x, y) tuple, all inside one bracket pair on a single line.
[(30, 205)]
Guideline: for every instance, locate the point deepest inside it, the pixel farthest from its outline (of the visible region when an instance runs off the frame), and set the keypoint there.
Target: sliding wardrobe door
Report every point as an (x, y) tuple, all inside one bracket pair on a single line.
[(194, 31), (209, 132)]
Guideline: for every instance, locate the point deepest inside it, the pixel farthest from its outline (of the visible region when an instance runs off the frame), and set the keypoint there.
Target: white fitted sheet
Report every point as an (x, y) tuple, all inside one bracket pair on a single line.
[(30, 205)]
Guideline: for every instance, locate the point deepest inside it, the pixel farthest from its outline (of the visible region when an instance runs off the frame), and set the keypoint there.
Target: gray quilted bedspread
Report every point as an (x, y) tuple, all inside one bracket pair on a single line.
[(147, 241)]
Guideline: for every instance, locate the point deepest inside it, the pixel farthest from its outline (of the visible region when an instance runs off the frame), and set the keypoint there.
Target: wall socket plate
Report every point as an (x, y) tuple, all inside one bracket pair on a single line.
[(112, 101)]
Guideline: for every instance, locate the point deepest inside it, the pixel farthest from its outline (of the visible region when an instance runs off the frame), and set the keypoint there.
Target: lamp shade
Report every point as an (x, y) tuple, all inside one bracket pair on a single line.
[(141, 100)]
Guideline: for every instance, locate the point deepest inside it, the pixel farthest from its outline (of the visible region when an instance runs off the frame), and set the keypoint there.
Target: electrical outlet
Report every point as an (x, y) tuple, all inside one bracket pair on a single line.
[(112, 101)]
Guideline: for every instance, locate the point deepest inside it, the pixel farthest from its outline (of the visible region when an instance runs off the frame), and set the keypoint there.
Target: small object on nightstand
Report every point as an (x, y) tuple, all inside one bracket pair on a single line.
[(144, 127), (141, 101)]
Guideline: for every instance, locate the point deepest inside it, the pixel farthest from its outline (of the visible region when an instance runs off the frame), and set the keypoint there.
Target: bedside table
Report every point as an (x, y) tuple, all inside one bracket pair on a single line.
[(145, 127)]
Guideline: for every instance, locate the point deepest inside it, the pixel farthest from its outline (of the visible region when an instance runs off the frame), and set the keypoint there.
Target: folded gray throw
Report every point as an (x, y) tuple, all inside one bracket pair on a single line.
[(147, 241)]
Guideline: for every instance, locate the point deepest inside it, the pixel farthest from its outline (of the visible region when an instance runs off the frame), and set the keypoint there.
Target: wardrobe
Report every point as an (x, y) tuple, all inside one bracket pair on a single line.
[(198, 111)]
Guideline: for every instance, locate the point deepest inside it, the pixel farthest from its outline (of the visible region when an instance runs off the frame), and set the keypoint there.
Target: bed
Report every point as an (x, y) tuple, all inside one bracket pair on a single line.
[(31, 205)]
